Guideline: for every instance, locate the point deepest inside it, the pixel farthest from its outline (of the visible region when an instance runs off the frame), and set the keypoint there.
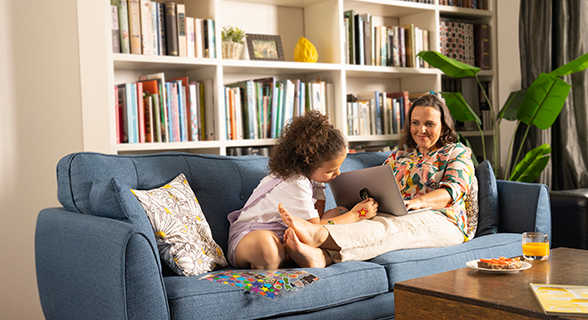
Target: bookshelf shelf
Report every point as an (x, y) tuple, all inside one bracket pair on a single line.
[(465, 12), (142, 62), (276, 67), (320, 21), (389, 7), (250, 143), (127, 147), (361, 71)]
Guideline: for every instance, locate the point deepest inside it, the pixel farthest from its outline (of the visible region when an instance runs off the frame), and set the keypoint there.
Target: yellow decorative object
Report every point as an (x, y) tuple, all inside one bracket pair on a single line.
[(305, 51)]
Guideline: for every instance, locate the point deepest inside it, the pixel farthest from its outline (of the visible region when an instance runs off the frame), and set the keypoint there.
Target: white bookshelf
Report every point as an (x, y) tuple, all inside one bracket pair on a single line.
[(321, 21)]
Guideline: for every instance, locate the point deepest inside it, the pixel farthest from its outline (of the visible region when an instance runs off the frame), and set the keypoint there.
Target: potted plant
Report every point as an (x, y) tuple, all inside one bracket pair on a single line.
[(232, 42), (539, 105)]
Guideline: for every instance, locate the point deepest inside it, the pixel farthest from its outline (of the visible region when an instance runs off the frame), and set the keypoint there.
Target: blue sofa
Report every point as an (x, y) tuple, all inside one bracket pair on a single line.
[(95, 263)]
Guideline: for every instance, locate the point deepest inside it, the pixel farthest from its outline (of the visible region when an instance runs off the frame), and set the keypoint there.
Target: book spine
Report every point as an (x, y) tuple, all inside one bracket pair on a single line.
[(146, 28), (117, 114), (140, 112), (193, 114), (148, 118), (123, 21), (122, 113), (135, 26), (171, 29), (211, 39), (198, 37), (161, 25), (155, 27), (156, 118), (115, 29), (181, 28), (181, 111), (190, 37)]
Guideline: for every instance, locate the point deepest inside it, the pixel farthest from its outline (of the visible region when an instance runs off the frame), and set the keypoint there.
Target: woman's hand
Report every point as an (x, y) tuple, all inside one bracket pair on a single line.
[(415, 203), (366, 209)]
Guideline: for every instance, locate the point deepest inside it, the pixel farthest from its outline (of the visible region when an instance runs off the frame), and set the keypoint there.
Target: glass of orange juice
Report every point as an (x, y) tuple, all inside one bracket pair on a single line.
[(535, 246)]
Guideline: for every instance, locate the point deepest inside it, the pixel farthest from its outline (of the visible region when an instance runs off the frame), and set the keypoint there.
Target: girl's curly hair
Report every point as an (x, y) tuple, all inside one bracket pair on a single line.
[(448, 134), (305, 144)]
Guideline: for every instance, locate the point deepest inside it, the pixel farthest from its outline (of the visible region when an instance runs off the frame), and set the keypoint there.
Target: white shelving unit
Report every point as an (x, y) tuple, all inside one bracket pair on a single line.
[(321, 21)]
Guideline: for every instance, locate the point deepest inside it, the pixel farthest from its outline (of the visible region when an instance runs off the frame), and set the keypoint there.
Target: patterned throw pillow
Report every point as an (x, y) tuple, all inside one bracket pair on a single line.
[(183, 236), (471, 204)]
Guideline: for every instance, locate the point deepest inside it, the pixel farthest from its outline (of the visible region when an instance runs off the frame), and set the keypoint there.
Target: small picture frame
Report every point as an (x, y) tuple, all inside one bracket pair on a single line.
[(265, 47)]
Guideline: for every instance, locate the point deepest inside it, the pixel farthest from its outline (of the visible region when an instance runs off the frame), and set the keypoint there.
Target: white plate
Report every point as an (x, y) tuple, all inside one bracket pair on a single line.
[(474, 265)]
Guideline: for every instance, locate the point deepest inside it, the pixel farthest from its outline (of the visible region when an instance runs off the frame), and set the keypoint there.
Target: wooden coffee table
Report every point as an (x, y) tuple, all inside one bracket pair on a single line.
[(470, 294)]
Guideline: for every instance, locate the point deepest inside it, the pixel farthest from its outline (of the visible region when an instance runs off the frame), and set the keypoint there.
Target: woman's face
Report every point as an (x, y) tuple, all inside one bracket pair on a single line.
[(425, 127), (329, 170)]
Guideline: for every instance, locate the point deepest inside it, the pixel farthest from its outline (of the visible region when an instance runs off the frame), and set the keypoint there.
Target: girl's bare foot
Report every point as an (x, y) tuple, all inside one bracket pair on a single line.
[(304, 255), (308, 233)]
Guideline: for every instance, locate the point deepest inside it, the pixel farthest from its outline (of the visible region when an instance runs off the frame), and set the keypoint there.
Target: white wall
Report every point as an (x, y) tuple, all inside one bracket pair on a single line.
[(40, 122), (509, 65)]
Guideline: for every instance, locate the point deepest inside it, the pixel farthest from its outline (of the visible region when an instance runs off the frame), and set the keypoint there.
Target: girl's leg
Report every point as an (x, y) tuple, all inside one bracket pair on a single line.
[(260, 249), (308, 233), (304, 255)]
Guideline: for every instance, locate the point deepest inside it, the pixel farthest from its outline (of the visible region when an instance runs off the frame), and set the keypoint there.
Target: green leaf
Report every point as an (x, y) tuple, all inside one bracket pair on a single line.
[(459, 108), (450, 67), (543, 101), (512, 105), (532, 164), (573, 66)]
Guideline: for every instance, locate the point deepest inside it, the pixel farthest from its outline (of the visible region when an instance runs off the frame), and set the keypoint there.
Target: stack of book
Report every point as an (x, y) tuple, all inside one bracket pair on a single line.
[(155, 110), (258, 109), (369, 42), (471, 4), (160, 28), (466, 42), (382, 113)]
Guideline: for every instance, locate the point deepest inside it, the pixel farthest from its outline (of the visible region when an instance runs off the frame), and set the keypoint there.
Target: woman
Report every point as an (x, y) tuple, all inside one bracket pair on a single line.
[(432, 169)]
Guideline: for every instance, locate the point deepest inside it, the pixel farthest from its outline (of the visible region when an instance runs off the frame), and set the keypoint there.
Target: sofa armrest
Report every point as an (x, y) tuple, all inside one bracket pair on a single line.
[(523, 207), (91, 267)]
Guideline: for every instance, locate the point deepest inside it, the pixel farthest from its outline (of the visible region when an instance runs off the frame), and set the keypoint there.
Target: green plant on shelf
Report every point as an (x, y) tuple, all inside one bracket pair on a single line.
[(538, 105), (232, 34)]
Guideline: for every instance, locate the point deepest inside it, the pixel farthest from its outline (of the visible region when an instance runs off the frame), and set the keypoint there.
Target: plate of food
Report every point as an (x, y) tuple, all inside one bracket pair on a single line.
[(499, 265)]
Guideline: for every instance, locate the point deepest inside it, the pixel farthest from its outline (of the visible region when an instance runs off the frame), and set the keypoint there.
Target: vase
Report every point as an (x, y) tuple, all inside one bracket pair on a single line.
[(232, 50)]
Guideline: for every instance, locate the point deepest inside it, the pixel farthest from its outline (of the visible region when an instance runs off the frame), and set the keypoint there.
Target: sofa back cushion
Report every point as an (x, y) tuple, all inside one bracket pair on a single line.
[(488, 217)]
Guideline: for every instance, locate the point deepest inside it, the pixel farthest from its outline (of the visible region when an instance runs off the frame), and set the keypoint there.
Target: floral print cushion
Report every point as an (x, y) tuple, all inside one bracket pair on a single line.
[(183, 236)]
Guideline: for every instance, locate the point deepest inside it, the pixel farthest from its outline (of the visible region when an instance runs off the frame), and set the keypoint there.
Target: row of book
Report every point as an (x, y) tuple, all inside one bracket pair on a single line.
[(466, 42), (369, 42), (382, 113), (160, 28), (421, 1), (471, 4), (155, 110), (259, 109)]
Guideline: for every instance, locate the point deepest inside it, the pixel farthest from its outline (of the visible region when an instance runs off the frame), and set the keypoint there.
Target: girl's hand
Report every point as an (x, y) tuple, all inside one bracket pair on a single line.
[(415, 203), (366, 209)]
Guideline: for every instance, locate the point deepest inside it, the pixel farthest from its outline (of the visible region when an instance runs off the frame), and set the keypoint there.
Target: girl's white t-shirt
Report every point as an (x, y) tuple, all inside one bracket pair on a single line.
[(297, 194)]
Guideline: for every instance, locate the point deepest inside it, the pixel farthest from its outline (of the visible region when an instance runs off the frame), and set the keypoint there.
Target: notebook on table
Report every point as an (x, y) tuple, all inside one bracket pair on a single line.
[(378, 183)]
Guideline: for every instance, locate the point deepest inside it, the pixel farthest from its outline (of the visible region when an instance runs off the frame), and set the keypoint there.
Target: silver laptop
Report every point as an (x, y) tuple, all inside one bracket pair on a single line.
[(379, 183)]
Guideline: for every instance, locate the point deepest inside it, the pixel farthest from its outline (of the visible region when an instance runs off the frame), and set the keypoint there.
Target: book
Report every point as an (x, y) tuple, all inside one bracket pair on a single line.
[(140, 112), (181, 28), (159, 87), (190, 37), (122, 113), (198, 41), (115, 29), (135, 26), (123, 25), (161, 29), (209, 113), (146, 27), (171, 28), (561, 299)]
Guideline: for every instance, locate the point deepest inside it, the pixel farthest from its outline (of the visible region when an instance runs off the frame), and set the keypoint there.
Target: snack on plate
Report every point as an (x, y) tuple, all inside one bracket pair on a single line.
[(500, 263)]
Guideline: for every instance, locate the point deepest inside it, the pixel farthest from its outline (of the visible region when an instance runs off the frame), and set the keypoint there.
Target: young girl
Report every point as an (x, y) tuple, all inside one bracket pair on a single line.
[(309, 154)]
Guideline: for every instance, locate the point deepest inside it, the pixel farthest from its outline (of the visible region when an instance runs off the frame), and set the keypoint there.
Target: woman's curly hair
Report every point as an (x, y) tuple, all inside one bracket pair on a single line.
[(305, 144), (448, 134)]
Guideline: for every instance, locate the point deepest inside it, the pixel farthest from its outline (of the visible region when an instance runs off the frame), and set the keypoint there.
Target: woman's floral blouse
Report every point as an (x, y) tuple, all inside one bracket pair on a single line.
[(448, 167)]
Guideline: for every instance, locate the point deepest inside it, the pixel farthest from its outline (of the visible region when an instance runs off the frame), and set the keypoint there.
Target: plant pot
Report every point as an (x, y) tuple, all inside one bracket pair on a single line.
[(232, 50)]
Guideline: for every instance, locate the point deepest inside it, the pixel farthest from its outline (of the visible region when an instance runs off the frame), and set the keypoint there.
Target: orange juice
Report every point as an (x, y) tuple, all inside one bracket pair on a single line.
[(536, 249)]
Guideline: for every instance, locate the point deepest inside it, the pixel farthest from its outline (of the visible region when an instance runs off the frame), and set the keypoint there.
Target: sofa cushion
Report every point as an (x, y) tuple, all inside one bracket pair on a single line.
[(337, 285), (414, 263), (488, 217), (183, 236)]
